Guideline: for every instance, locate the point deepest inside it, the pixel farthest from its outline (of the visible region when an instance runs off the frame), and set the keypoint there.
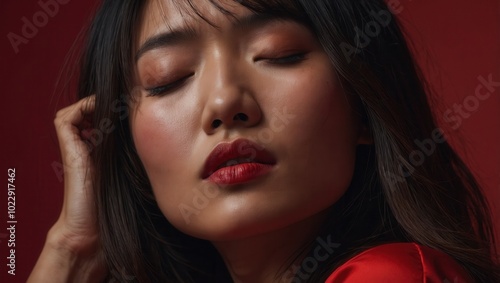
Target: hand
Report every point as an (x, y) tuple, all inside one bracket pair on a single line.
[(72, 252), (77, 224)]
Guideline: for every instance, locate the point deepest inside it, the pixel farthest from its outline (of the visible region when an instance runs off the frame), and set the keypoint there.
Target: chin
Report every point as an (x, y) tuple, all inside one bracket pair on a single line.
[(219, 225)]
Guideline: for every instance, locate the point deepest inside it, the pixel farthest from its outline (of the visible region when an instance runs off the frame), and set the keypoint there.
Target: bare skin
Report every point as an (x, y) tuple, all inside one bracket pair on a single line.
[(71, 252)]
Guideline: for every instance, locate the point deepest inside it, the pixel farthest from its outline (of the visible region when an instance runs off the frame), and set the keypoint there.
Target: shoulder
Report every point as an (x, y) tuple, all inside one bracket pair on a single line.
[(400, 262)]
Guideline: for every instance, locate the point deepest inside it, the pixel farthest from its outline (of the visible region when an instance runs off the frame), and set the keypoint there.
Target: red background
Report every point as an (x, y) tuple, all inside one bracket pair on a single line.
[(457, 41)]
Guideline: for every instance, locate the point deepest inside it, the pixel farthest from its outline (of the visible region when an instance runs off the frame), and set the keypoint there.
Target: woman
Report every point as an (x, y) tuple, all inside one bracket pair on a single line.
[(259, 141)]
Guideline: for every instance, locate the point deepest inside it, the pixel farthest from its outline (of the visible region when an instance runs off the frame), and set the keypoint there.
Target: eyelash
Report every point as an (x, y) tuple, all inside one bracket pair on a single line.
[(168, 87), (284, 61)]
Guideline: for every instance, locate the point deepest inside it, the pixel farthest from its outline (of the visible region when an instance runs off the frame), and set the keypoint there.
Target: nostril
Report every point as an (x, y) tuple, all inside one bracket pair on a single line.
[(216, 123), (238, 117), (241, 116)]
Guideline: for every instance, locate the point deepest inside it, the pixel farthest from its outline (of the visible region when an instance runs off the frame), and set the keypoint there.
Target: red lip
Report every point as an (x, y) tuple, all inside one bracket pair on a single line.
[(237, 162)]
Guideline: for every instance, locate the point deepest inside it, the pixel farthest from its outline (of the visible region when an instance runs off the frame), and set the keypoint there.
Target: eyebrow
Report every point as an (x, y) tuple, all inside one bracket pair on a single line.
[(186, 34)]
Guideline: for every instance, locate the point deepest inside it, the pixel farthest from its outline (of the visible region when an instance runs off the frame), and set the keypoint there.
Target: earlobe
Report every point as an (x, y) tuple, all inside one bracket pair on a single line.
[(365, 135)]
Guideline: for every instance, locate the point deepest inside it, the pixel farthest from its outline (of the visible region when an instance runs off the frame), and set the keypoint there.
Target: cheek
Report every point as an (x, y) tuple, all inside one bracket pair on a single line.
[(320, 110), (320, 139), (160, 138), (163, 139)]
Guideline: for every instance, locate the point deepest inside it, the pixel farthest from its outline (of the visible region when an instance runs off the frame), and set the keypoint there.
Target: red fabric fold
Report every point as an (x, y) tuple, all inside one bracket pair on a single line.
[(400, 262)]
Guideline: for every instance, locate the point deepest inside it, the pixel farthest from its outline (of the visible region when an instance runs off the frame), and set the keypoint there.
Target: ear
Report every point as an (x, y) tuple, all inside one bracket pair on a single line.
[(365, 135)]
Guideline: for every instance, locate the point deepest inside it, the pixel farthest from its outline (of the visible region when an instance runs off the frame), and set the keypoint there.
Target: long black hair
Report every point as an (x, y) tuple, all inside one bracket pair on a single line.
[(394, 197)]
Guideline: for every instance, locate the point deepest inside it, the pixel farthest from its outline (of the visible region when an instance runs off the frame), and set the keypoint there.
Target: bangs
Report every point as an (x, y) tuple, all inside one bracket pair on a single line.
[(274, 8)]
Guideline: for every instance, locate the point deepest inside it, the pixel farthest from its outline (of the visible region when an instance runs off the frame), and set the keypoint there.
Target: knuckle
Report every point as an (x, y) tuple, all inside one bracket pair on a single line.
[(59, 117)]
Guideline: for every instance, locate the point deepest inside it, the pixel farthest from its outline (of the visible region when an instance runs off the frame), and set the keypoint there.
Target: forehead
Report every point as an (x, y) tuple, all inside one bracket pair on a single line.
[(162, 15)]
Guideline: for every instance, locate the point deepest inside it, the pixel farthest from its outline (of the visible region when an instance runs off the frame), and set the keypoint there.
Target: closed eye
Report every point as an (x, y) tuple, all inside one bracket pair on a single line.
[(285, 60), (168, 88)]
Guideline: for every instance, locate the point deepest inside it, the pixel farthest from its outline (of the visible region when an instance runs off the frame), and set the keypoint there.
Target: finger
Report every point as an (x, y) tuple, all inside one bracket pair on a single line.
[(68, 123), (74, 114)]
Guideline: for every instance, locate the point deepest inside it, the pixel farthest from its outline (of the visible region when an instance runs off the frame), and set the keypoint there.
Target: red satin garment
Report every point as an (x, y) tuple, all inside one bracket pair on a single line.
[(400, 262)]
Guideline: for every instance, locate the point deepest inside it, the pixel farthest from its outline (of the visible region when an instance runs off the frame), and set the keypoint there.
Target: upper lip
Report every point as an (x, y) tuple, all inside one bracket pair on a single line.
[(237, 149)]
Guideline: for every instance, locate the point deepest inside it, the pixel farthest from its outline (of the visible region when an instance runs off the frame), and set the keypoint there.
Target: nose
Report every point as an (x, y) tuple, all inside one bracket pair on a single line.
[(230, 102)]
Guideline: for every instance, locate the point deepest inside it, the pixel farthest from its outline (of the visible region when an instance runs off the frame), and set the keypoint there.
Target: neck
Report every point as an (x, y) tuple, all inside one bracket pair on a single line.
[(270, 257)]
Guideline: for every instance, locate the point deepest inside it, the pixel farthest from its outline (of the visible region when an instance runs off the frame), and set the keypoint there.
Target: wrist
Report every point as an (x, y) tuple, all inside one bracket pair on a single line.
[(71, 244), (63, 259), (71, 250)]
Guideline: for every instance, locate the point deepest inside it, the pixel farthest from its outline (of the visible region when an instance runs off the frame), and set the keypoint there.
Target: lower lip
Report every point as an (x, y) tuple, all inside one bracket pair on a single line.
[(238, 174)]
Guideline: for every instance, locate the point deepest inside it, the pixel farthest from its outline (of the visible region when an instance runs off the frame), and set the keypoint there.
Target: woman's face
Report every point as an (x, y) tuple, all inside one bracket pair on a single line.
[(255, 78)]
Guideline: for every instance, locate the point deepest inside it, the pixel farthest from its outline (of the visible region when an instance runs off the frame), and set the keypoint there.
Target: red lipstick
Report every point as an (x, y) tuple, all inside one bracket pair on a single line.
[(237, 162)]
